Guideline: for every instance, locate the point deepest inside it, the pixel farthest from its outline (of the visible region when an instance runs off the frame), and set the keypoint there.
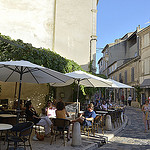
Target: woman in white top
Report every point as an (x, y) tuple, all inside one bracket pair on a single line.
[(146, 114), (104, 105)]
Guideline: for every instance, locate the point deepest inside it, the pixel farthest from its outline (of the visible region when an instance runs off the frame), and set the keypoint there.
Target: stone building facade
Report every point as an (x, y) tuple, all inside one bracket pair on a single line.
[(144, 71), (123, 61)]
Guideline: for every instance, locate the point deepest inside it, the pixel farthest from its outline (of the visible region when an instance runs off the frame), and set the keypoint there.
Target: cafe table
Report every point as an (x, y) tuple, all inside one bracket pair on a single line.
[(4, 127), (81, 112), (101, 112), (8, 118), (110, 110), (7, 115)]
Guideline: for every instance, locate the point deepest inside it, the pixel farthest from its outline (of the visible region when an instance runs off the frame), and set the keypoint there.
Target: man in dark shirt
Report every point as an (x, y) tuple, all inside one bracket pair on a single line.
[(87, 116)]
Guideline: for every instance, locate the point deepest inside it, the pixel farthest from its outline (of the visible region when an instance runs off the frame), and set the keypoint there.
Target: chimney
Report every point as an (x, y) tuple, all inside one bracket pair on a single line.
[(138, 28)]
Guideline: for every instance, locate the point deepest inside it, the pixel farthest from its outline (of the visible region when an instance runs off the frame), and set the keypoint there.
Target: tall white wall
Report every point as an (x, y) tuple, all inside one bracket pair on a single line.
[(29, 20), (64, 26), (73, 30)]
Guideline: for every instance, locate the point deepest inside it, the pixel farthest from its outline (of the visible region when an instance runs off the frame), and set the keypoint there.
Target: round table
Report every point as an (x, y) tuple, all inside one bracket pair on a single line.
[(110, 110), (69, 118), (101, 112), (81, 112), (4, 126), (7, 115), (8, 119)]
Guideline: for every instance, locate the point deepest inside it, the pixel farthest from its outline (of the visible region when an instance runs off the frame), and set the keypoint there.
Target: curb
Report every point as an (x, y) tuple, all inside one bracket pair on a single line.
[(109, 136), (91, 146), (122, 126)]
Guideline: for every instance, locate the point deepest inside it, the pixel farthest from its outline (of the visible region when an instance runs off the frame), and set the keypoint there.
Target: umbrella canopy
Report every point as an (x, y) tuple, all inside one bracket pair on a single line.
[(88, 80), (116, 84), (11, 71), (25, 71)]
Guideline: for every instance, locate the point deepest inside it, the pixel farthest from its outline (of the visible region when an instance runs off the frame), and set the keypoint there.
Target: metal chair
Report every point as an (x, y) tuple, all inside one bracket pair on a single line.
[(21, 134), (60, 125), (113, 118), (88, 128), (99, 122)]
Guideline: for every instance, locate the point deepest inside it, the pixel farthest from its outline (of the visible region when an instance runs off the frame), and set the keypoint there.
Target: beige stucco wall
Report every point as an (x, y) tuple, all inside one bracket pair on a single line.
[(35, 92), (67, 91)]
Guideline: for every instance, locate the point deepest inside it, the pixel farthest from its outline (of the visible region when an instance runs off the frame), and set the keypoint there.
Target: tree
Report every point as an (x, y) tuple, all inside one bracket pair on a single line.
[(138, 91)]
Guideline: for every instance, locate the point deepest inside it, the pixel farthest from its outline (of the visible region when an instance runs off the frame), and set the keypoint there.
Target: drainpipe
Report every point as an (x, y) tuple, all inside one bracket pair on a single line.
[(138, 47), (91, 51)]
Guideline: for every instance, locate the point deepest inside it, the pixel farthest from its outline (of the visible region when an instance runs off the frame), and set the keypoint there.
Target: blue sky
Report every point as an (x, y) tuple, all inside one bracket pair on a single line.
[(115, 18)]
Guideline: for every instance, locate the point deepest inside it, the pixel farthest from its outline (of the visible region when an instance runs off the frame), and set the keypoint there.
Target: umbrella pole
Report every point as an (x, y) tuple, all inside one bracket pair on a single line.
[(20, 83), (78, 97)]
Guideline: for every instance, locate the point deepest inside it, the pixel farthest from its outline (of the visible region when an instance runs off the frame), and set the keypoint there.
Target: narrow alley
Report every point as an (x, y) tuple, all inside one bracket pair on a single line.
[(133, 137)]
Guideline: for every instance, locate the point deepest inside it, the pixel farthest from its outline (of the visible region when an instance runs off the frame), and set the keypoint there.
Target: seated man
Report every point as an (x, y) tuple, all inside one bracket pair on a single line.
[(87, 117)]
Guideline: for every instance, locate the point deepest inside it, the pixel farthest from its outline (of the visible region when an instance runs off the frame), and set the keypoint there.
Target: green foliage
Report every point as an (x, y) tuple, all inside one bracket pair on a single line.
[(90, 91), (90, 65), (18, 50), (138, 91)]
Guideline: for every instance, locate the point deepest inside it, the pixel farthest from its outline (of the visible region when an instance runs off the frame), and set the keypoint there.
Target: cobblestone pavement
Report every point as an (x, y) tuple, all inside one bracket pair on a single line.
[(133, 136)]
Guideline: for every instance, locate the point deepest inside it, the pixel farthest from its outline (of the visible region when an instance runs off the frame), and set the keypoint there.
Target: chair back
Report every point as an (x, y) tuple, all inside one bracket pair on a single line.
[(20, 126), (27, 131), (60, 123), (97, 119)]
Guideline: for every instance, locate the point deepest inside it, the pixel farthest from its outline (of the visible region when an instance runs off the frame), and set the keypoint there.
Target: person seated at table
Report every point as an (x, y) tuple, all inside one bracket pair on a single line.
[(50, 110), (97, 105), (34, 117), (62, 113), (46, 122), (31, 114), (110, 104), (104, 105), (87, 117)]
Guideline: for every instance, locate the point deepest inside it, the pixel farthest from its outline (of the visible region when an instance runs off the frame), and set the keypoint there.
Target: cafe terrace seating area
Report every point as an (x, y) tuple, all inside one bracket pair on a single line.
[(100, 126)]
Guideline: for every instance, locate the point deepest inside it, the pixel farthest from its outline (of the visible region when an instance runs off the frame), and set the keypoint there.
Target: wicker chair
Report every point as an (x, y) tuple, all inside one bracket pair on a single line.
[(20, 134), (99, 122), (88, 128), (60, 126)]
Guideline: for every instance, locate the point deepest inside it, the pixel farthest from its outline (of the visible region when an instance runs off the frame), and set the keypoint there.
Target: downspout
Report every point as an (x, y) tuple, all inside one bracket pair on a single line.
[(91, 52)]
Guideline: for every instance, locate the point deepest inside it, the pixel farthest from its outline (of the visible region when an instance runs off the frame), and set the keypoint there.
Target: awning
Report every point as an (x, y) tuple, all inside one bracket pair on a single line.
[(145, 83)]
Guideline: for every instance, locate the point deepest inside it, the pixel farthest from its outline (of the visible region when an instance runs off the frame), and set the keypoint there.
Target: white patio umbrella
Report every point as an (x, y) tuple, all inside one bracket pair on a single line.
[(25, 71), (116, 84), (86, 79)]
